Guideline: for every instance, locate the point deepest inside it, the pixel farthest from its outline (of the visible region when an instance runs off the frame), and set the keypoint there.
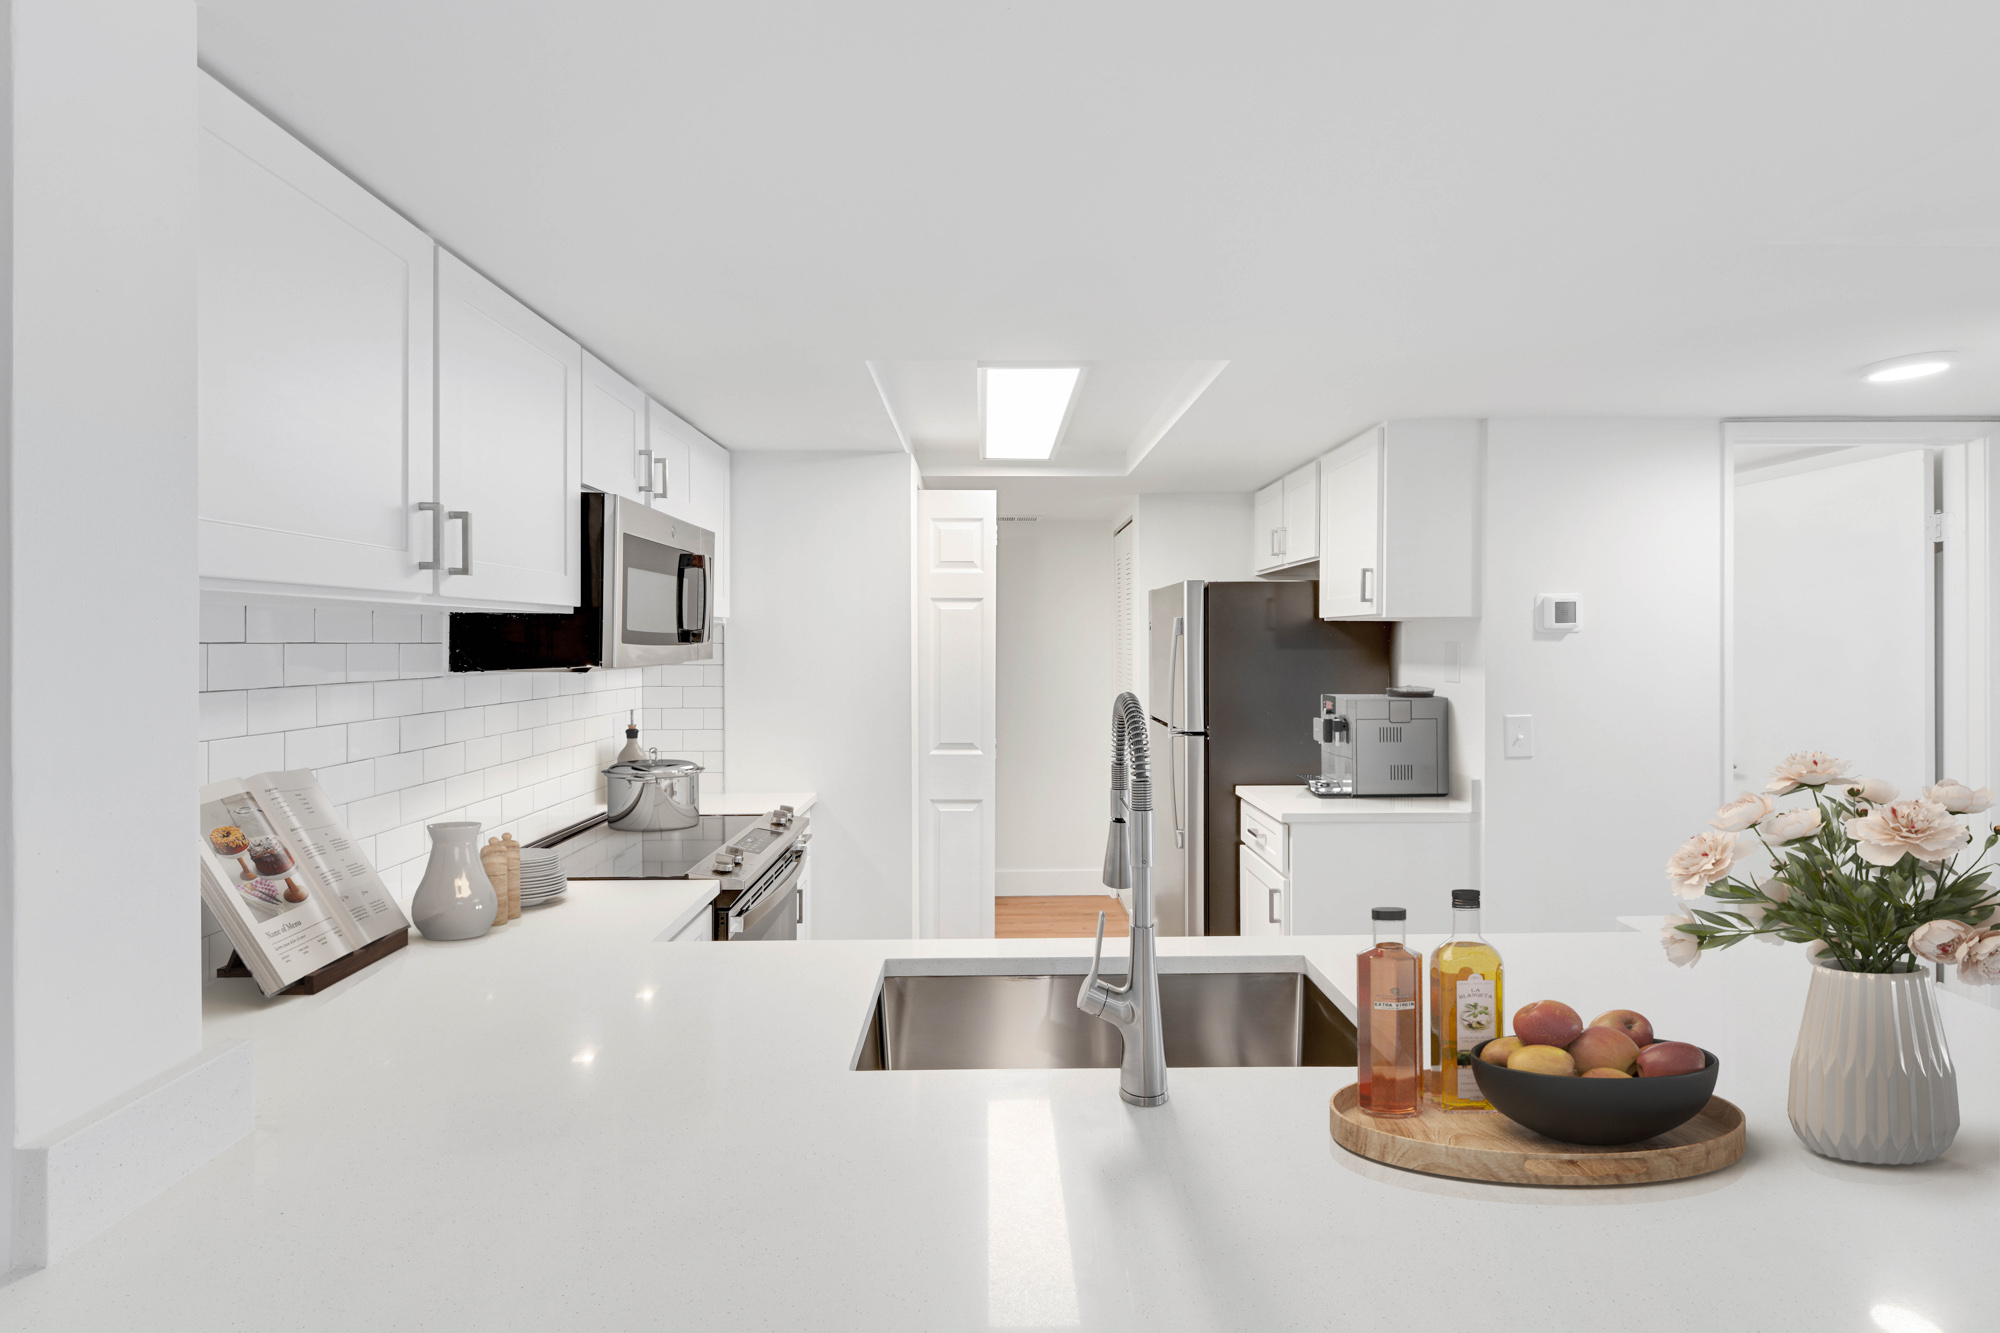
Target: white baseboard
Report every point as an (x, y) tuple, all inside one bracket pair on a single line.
[(78, 1180), (1048, 883)]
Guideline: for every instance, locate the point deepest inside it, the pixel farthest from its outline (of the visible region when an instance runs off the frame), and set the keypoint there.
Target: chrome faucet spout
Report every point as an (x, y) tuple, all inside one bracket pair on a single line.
[(1134, 1007)]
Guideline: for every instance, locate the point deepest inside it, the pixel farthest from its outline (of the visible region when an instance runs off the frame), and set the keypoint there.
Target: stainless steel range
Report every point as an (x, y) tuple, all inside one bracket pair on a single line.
[(759, 872)]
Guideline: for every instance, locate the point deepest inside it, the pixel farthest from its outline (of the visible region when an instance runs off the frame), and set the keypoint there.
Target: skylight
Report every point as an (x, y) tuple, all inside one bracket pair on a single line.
[(1025, 407)]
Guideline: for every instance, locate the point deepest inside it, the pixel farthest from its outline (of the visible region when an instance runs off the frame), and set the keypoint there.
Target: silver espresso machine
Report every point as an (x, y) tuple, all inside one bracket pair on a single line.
[(1390, 744)]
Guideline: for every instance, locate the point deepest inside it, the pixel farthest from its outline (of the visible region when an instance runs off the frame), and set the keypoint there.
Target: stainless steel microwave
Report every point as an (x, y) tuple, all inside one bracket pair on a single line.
[(647, 578)]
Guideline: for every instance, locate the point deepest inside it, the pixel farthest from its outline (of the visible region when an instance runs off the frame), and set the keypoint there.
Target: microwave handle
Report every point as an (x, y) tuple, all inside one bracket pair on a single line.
[(694, 593)]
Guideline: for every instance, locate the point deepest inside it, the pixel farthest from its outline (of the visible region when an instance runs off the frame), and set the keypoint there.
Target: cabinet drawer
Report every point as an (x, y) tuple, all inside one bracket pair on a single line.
[(1265, 834), (1263, 897)]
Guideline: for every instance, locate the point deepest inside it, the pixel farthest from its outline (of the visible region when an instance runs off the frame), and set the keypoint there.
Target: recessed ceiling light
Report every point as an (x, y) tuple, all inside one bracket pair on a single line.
[(1024, 408), (1917, 367)]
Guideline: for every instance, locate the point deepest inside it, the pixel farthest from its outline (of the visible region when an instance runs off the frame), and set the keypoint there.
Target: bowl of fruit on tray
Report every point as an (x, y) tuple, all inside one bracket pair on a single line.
[(1604, 1084)]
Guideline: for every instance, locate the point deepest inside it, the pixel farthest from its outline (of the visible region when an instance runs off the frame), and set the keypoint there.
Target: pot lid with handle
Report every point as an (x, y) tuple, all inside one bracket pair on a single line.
[(653, 767)]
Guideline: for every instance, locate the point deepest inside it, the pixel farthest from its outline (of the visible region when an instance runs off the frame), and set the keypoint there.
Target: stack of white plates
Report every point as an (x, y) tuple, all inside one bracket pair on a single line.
[(542, 879)]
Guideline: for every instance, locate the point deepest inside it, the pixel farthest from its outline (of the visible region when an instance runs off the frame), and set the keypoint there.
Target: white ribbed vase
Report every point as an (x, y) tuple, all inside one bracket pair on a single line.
[(1871, 1078)]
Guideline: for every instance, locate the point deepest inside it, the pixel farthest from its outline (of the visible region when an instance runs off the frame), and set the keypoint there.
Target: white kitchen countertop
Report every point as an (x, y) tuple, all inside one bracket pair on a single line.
[(1296, 805), (569, 1126), (755, 803)]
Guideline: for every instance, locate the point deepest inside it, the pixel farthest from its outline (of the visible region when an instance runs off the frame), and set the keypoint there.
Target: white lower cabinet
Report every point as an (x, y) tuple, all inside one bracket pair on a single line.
[(1263, 896), (509, 447)]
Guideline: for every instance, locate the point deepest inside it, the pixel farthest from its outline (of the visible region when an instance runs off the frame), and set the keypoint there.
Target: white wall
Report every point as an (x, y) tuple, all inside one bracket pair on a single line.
[(100, 544), (1055, 688), (821, 669), (1186, 537), (1627, 713)]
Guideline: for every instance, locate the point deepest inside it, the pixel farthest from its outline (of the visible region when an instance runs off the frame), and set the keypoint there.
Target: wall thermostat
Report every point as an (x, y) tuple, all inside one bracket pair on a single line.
[(1558, 613)]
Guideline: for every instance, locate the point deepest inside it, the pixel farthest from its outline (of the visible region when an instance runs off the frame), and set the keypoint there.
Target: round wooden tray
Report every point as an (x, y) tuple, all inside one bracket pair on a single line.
[(1485, 1145)]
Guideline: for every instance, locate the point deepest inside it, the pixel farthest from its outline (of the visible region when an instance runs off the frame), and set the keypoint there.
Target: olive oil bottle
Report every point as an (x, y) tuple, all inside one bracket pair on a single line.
[(1465, 1005)]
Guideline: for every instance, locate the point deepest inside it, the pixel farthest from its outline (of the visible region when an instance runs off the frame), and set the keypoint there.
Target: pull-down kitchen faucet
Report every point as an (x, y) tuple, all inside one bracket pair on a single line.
[(1133, 1008)]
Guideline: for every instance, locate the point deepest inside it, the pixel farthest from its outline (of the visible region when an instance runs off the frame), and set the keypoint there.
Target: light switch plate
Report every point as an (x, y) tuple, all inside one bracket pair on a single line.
[(1519, 731)]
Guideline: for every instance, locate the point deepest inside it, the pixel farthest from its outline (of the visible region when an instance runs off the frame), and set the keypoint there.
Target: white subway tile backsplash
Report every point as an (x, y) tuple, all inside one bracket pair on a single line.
[(240, 756), (245, 666), (286, 709), (344, 624), (221, 622), (345, 703), (393, 772), (222, 715), (315, 663), (399, 627), (365, 740), (360, 696), (373, 661), (423, 730), (316, 747), (278, 624)]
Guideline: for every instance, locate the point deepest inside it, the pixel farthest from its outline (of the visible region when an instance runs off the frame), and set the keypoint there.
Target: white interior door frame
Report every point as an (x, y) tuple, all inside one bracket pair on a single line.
[(1964, 500), (957, 706)]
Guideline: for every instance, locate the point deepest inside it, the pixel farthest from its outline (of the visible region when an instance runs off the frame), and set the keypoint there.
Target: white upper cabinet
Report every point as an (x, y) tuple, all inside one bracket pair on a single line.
[(510, 390), (668, 457), (314, 335), (614, 432), (696, 486), (1398, 534), (1286, 523)]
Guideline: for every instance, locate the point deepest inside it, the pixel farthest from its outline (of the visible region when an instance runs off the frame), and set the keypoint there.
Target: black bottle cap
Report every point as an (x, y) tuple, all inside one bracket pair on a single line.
[(1390, 914), (1465, 897)]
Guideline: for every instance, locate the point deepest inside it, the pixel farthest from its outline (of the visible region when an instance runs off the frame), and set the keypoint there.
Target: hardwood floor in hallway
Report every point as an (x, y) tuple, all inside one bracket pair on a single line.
[(1057, 917)]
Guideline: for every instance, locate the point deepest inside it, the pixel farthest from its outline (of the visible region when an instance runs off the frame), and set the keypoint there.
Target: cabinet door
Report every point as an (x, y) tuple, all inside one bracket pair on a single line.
[(1260, 896), (314, 341), (1350, 526), (708, 468), (1302, 514), (509, 446), (669, 461), (614, 432), (1269, 528)]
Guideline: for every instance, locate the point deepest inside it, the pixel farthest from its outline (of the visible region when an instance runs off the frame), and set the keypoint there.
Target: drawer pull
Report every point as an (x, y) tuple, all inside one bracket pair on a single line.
[(1273, 907)]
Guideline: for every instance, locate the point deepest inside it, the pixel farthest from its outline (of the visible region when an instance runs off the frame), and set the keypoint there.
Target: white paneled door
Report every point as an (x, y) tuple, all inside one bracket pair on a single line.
[(956, 693)]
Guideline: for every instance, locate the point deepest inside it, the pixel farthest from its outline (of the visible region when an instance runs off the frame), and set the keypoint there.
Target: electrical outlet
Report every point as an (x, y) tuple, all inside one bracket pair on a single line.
[(1519, 730)]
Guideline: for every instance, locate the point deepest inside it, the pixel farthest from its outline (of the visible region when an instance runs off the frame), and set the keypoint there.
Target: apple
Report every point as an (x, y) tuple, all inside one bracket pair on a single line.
[(1497, 1051), (1603, 1048), (1605, 1073), (1542, 1060), (1666, 1058), (1547, 1023), (1634, 1025)]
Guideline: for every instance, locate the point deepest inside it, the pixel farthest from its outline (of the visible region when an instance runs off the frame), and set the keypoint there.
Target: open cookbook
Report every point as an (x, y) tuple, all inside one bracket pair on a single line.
[(280, 872)]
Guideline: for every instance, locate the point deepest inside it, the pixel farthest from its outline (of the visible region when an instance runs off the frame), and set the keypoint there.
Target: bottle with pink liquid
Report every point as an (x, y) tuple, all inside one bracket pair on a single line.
[(1388, 983)]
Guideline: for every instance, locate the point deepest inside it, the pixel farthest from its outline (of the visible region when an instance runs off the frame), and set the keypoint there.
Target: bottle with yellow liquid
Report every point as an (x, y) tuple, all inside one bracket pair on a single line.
[(1465, 1005)]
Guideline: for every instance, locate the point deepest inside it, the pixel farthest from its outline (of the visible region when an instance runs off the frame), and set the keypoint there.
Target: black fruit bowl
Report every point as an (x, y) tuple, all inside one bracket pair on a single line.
[(1601, 1112)]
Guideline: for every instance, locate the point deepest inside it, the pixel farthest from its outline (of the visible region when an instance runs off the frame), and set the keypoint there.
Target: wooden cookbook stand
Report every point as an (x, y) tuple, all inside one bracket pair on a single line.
[(312, 983)]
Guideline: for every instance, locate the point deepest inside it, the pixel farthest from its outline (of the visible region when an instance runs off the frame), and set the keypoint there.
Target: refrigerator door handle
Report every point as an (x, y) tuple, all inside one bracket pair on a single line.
[(1177, 740)]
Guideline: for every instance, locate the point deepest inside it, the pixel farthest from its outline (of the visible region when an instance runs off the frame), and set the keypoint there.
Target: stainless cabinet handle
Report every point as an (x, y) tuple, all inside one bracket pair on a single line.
[(646, 473), (437, 535), (465, 551), (1273, 908), (1366, 596), (653, 460), (1257, 833), (1281, 534), (800, 902)]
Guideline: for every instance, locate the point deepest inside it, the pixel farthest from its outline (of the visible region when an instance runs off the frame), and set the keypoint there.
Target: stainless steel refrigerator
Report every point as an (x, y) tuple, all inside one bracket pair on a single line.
[(1235, 675)]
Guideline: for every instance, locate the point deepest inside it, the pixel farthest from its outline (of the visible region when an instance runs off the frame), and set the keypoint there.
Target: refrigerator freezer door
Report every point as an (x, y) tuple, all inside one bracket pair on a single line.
[(1180, 828), (1177, 659)]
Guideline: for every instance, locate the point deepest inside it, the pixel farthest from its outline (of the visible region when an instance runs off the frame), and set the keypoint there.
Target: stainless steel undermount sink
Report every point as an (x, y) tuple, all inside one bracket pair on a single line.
[(1262, 1016)]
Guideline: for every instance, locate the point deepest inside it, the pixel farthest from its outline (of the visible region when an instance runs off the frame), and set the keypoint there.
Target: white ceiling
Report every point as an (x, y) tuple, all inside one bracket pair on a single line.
[(1365, 210)]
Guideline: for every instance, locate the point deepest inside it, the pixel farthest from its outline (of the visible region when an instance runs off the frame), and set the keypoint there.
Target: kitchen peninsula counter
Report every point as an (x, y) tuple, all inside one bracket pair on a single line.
[(568, 1125)]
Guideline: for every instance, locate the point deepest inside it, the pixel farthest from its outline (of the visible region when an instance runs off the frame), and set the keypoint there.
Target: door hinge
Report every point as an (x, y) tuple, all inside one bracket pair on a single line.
[(1934, 526)]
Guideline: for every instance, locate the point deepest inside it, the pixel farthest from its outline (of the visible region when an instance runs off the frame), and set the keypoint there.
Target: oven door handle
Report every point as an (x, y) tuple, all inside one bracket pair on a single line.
[(751, 913)]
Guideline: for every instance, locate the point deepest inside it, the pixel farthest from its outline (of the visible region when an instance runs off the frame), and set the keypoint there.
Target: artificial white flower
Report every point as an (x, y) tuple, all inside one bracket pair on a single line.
[(1805, 768), (1958, 798), (1683, 949), (1700, 861), (1785, 826), (1769, 884), (1873, 790), (1741, 813), (1941, 941), (1979, 961), (1816, 948), (1923, 829)]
